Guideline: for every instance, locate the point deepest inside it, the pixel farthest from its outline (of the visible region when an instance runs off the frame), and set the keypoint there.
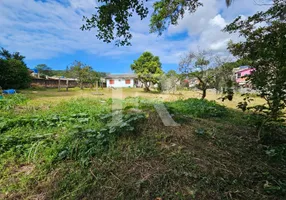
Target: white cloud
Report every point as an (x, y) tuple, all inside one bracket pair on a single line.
[(218, 21), (207, 23), (43, 30), (196, 22)]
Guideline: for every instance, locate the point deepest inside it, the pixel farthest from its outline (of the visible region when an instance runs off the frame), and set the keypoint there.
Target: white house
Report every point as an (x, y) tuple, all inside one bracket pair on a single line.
[(121, 80)]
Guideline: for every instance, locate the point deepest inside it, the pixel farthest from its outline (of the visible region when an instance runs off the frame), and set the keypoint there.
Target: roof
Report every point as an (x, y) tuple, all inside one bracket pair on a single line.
[(244, 67), (122, 76), (62, 78), (242, 70)]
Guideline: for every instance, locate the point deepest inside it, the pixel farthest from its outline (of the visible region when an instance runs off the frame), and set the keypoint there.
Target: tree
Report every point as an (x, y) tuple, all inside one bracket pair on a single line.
[(169, 81), (43, 69), (148, 69), (112, 17), (81, 72), (197, 65), (13, 71), (265, 48), (224, 80)]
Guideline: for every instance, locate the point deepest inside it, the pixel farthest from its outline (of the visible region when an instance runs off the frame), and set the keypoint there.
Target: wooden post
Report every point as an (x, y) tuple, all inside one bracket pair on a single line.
[(67, 82), (59, 85), (96, 85)]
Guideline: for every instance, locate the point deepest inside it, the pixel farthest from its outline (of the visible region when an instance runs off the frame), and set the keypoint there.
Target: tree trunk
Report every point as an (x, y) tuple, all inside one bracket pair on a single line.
[(96, 86), (146, 89), (204, 93), (81, 86)]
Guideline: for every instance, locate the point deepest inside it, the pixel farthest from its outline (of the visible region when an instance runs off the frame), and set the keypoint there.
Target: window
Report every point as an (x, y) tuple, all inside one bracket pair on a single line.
[(127, 81), (111, 82), (238, 75)]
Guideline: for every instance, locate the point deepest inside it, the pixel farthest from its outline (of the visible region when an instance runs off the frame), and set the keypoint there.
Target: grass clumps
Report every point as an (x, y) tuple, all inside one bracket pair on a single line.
[(85, 149), (197, 108), (10, 101)]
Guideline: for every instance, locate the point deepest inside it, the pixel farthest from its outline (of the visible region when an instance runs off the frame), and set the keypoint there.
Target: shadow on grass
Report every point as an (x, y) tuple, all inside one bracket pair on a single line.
[(212, 155)]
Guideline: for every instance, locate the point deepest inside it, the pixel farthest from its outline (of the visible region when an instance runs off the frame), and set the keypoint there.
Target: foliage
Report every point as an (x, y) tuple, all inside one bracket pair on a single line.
[(244, 105), (197, 65), (64, 73), (13, 71), (80, 142), (79, 149), (82, 72), (168, 12), (148, 69), (197, 108), (265, 47), (91, 142), (224, 72), (43, 69), (169, 81), (10, 101), (112, 17), (93, 77)]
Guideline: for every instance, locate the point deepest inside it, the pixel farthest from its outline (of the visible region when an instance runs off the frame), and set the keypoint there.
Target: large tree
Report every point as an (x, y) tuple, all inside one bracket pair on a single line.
[(265, 47), (197, 65), (148, 69), (43, 69), (112, 17), (13, 70), (80, 71)]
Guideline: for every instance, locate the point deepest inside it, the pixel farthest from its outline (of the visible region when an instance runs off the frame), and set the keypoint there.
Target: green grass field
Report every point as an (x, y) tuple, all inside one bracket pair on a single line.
[(70, 145), (52, 95)]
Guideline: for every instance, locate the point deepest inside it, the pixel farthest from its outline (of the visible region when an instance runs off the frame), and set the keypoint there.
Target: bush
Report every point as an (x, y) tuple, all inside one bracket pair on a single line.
[(197, 108), (10, 101)]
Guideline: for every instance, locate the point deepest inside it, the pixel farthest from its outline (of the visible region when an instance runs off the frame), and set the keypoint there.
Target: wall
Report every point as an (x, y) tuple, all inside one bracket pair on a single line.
[(118, 83), (243, 73)]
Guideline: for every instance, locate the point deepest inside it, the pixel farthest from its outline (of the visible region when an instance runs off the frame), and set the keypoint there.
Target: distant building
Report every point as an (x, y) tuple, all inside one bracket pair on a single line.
[(34, 73), (241, 73), (122, 80)]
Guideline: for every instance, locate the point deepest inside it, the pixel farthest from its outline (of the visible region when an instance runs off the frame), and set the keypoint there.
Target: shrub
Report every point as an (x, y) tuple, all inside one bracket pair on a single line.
[(197, 108), (10, 101)]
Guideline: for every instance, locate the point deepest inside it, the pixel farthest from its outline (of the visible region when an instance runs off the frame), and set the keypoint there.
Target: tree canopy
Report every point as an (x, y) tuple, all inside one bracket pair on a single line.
[(80, 71), (197, 65), (111, 18), (43, 69), (13, 71), (265, 48), (148, 69)]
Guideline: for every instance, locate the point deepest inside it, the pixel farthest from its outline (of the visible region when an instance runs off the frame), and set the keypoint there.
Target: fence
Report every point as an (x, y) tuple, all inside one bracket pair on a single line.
[(48, 83)]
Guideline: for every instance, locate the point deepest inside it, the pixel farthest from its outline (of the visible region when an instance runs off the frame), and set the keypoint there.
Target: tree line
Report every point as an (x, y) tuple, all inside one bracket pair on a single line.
[(15, 74)]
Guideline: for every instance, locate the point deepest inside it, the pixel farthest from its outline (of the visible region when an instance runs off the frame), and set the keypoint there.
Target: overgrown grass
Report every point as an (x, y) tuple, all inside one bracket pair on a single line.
[(10, 101), (82, 149), (197, 108)]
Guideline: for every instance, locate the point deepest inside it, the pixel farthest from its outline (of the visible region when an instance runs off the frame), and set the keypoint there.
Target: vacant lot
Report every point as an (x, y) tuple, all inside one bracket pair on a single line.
[(52, 95), (70, 145)]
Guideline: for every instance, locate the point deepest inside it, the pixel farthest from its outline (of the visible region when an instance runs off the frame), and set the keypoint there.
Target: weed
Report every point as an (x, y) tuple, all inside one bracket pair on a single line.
[(10, 101), (197, 108)]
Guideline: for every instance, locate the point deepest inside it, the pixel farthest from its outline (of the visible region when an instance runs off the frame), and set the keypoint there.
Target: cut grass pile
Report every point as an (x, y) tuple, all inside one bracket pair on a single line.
[(80, 149)]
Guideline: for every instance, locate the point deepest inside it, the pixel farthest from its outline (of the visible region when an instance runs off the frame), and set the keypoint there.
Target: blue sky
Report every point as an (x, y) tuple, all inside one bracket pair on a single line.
[(47, 31)]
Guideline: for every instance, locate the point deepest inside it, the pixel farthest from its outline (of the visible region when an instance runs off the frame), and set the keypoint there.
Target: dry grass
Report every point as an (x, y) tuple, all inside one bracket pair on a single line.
[(52, 95), (204, 158)]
